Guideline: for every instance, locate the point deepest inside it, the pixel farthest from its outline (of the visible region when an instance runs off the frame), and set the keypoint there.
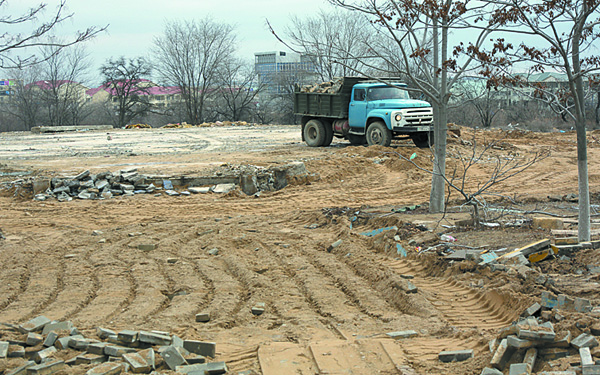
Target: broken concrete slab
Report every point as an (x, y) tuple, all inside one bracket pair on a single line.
[(455, 355), (46, 368), (585, 340), (223, 188)]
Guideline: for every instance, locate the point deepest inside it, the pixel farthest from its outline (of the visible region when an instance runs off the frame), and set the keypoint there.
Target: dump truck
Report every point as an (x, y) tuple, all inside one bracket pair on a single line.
[(363, 111)]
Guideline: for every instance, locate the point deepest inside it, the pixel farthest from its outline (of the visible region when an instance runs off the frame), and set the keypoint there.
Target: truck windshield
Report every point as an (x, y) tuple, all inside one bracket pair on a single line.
[(387, 92)]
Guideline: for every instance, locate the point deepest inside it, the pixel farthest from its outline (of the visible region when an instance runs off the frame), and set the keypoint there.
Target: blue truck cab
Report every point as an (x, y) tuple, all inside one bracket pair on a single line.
[(364, 111)]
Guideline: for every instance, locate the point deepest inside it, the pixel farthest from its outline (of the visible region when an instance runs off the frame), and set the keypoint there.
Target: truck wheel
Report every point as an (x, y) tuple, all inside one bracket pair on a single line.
[(379, 134), (421, 140), (328, 133), (357, 140), (314, 133)]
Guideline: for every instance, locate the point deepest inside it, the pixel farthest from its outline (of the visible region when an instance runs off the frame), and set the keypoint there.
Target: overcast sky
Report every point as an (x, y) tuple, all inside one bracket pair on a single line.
[(133, 24)]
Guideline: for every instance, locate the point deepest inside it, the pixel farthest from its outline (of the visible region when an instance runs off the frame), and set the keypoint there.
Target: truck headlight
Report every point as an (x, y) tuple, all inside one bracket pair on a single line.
[(398, 117)]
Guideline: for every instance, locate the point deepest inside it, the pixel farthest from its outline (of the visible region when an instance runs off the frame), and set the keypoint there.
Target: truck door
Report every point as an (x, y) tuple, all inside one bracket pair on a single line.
[(358, 109)]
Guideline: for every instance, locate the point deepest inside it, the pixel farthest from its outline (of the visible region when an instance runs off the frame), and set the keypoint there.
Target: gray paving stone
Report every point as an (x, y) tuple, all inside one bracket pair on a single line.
[(34, 339), (590, 370), (195, 359), (410, 287), (491, 371), (4, 349), (34, 325), (41, 355), (212, 368), (223, 188), (502, 355), (519, 369), (78, 343), (57, 326), (402, 334), (585, 340), (207, 349), (530, 357), (46, 368), (203, 317), (109, 368), (532, 310), (50, 339), (117, 351), (199, 190), (517, 343), (141, 362), (97, 347), (90, 359), (172, 357), (15, 351), (62, 342), (21, 370), (154, 338), (586, 357), (128, 336), (455, 355)]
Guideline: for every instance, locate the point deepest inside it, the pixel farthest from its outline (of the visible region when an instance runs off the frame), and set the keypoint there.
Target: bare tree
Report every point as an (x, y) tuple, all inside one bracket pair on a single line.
[(127, 87), (13, 42), (559, 35), (189, 55), (23, 100), (420, 32), (61, 92), (330, 38), (237, 97), (482, 98)]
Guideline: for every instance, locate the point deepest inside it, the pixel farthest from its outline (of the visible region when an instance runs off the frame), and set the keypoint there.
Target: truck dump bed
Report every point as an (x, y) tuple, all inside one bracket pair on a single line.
[(333, 105)]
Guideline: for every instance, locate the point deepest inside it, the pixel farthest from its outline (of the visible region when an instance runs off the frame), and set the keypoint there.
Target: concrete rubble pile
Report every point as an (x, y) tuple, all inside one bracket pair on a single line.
[(532, 342), (330, 87), (40, 346), (128, 182)]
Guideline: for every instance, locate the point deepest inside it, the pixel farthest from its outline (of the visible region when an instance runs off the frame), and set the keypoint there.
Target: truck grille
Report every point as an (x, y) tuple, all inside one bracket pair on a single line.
[(418, 116)]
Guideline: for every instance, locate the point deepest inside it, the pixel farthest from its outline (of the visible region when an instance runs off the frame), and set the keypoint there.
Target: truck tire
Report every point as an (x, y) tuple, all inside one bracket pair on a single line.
[(314, 133), (379, 134), (421, 140), (357, 140), (328, 133)]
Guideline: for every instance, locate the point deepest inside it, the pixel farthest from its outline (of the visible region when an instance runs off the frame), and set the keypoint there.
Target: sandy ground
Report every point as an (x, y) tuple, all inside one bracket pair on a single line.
[(326, 311)]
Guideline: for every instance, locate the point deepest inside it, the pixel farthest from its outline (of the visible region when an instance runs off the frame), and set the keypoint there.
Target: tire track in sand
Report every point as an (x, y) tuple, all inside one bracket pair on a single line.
[(459, 305)]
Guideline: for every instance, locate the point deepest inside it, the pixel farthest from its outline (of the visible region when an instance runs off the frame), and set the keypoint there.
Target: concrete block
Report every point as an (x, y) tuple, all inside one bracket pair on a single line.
[(207, 349), (550, 354), (78, 343), (15, 351), (565, 302), (176, 341), (41, 355), (590, 370), (50, 339), (57, 326), (530, 357), (34, 325), (257, 309), (566, 241), (527, 334), (117, 351), (519, 369), (517, 343), (213, 368), (113, 339), (199, 190), (585, 340), (563, 342), (402, 334), (502, 355), (46, 368), (195, 359), (97, 347), (586, 357), (127, 336), (154, 338), (507, 331), (34, 339), (223, 188), (21, 370), (90, 359), (172, 357), (62, 342), (568, 372), (203, 317), (532, 310), (109, 368), (141, 362), (455, 355), (410, 287), (491, 371), (4, 349)]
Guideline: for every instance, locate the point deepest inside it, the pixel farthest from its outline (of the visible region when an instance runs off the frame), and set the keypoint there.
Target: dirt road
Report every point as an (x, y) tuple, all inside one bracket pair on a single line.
[(327, 311)]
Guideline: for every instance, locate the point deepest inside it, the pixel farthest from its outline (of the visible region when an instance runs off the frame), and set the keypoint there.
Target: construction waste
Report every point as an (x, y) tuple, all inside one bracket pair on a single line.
[(330, 87), (249, 179), (43, 346), (138, 126), (185, 125)]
